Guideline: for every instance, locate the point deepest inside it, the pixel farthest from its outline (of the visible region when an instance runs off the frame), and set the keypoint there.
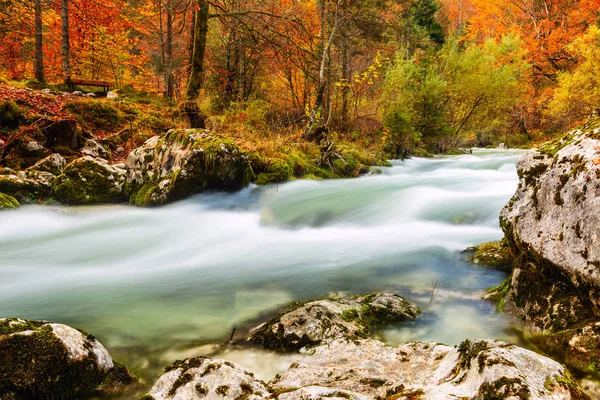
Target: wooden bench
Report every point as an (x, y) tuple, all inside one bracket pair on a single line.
[(72, 82)]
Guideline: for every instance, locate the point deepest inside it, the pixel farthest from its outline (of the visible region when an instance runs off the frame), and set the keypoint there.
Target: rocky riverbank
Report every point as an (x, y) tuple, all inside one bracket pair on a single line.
[(552, 226), (340, 360), (54, 146)]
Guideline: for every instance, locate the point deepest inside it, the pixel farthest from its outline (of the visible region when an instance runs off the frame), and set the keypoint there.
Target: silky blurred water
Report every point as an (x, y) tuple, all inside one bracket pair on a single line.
[(152, 283)]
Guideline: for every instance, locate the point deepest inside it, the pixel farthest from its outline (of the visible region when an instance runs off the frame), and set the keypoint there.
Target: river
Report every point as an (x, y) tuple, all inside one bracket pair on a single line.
[(158, 284)]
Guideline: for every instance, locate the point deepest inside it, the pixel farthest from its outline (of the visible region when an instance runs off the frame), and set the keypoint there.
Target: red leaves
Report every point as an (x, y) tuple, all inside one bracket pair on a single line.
[(37, 102)]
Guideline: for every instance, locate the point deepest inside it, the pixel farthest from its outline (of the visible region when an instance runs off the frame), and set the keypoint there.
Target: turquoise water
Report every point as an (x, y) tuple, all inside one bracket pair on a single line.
[(153, 284)]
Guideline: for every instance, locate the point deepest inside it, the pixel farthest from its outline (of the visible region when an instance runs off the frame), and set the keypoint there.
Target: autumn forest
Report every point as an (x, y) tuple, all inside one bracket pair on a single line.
[(419, 75)]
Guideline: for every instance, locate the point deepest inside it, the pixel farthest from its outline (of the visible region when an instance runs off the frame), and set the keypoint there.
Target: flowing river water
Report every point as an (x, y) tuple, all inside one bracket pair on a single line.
[(159, 284)]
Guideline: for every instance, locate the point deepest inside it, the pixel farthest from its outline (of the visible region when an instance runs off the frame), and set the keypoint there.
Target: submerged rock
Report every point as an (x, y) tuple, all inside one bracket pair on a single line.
[(8, 202), (482, 369), (203, 378), (495, 255), (182, 163), (40, 359), (317, 322), (90, 180)]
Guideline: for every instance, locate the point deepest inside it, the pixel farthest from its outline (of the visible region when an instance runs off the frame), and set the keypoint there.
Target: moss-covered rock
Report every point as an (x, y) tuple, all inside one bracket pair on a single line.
[(182, 163), (277, 171), (577, 347), (43, 360), (7, 202), (27, 187), (89, 180), (317, 322), (494, 254)]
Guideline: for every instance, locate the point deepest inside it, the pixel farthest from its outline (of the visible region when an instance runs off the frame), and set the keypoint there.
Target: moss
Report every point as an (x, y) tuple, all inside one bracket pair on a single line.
[(96, 115), (497, 294), (38, 366), (350, 315), (504, 388), (373, 382), (223, 390), (85, 181), (277, 171), (495, 254), (467, 352), (183, 379), (577, 347), (200, 390), (11, 114), (8, 202), (23, 190)]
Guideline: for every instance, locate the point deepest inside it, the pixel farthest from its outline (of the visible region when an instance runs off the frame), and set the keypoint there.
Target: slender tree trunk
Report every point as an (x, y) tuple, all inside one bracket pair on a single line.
[(169, 49), (190, 106), (312, 119), (161, 35), (66, 62), (39, 52)]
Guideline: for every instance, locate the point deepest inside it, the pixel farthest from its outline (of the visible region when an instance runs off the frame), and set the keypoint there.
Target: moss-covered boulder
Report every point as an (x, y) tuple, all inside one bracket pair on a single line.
[(204, 379), (321, 321), (276, 171), (182, 163), (89, 180), (7, 202), (494, 255), (27, 187), (43, 360)]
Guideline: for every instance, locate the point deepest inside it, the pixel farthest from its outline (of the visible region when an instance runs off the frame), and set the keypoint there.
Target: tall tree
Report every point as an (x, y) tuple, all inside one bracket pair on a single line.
[(39, 50), (66, 62)]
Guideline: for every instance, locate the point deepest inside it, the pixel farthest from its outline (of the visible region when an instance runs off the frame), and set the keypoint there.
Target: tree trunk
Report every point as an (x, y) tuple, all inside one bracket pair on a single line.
[(323, 82), (190, 106), (39, 52), (66, 63), (169, 69)]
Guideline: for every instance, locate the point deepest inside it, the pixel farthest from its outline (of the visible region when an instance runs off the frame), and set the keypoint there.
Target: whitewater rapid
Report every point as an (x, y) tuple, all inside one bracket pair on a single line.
[(150, 282)]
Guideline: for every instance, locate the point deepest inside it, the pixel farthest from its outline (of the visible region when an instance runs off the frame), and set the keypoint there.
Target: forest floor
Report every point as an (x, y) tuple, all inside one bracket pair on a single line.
[(125, 123)]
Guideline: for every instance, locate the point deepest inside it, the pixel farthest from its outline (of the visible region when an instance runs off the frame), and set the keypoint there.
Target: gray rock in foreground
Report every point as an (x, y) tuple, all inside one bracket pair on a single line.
[(482, 369), (320, 321), (40, 360), (203, 378), (367, 369)]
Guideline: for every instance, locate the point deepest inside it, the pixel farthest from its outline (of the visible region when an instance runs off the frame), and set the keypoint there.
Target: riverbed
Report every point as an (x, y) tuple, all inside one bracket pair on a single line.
[(158, 284)]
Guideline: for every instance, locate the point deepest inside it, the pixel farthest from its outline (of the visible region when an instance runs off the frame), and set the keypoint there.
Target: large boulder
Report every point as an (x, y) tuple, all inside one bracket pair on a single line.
[(183, 163), (552, 225), (43, 360), (320, 321), (553, 219), (206, 379), (7, 202), (89, 180), (481, 369)]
